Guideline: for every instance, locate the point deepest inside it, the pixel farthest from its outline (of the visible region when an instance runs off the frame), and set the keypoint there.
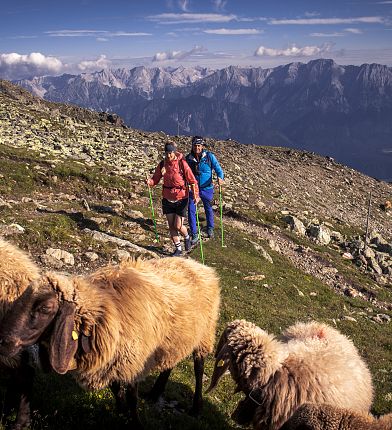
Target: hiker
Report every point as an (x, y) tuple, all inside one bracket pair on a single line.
[(202, 163), (175, 194)]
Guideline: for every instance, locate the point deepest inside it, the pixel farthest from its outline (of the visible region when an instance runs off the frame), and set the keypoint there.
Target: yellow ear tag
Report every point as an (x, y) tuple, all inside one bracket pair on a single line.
[(75, 336), (221, 363)]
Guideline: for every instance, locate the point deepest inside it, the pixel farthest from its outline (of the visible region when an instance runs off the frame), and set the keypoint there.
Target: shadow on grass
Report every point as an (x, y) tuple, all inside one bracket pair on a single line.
[(59, 403)]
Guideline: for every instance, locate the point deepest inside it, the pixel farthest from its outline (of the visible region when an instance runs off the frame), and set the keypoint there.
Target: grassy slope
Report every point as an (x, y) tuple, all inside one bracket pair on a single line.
[(62, 405)]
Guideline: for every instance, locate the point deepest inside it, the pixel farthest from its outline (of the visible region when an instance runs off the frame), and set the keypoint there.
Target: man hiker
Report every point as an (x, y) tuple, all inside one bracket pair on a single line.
[(175, 194), (202, 163)]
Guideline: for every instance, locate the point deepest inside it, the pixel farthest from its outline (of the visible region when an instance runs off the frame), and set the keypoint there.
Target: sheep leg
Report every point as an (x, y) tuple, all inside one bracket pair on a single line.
[(19, 394), (159, 386), (118, 391), (126, 402), (198, 365)]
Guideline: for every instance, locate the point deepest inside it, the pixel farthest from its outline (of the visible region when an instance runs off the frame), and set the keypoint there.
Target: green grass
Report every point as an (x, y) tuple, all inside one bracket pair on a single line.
[(283, 297)]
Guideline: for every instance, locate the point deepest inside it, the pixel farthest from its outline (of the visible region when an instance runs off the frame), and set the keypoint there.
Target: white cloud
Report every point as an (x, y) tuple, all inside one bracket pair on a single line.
[(94, 33), (20, 66), (329, 21), (219, 4), (384, 2), (335, 34), (181, 18), (237, 31), (176, 55), (292, 51), (311, 14), (101, 63), (353, 30), (184, 5)]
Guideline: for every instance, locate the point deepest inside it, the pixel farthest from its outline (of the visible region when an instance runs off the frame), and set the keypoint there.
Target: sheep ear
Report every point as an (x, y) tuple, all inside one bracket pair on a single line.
[(221, 365), (63, 346)]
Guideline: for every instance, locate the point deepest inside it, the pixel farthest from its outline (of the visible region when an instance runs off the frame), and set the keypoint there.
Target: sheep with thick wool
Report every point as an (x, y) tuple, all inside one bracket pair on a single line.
[(120, 323), (312, 362), (17, 271), (311, 416)]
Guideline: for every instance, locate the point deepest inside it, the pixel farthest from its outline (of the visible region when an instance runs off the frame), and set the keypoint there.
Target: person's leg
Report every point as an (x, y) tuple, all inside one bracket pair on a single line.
[(171, 220), (206, 196), (181, 214)]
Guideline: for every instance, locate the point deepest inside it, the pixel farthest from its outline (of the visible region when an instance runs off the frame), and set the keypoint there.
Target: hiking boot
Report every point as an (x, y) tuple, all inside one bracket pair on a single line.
[(210, 232), (195, 239), (188, 244), (177, 253)]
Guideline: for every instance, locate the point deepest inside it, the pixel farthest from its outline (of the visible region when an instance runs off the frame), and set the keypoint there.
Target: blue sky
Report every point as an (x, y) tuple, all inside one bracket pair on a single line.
[(51, 37)]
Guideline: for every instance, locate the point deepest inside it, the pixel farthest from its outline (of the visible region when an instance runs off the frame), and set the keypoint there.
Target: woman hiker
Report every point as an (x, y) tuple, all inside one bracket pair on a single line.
[(175, 194), (202, 163)]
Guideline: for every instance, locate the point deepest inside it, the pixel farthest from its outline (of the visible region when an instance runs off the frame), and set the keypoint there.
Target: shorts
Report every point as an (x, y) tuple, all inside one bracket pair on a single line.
[(179, 207)]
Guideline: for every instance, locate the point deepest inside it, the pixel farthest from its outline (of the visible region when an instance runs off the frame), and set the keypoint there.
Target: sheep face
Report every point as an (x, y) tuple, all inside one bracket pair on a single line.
[(27, 320), (252, 357), (37, 314)]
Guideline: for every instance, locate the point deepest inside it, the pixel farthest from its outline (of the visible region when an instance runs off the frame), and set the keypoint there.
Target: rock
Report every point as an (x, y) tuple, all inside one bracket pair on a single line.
[(372, 263), (348, 318), (91, 256), (103, 237), (122, 254), (3, 203), (274, 246), (336, 236), (295, 224), (9, 230), (117, 204), (99, 220), (262, 251), (381, 244), (381, 318), (135, 214), (254, 277), (86, 205), (321, 233), (61, 255)]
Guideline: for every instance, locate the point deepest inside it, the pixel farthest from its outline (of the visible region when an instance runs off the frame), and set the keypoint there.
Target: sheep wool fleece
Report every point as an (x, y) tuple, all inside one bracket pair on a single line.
[(17, 271), (327, 417), (142, 316)]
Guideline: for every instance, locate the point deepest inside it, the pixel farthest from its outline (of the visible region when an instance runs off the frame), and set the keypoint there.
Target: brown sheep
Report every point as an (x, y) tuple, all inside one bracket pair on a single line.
[(120, 323), (327, 417), (312, 363), (17, 271)]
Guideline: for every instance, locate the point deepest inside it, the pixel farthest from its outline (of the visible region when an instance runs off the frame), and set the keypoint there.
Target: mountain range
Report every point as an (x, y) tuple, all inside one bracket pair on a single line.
[(341, 111)]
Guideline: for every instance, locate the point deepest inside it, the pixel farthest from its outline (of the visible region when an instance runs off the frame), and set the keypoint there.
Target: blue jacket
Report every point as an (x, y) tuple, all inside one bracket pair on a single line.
[(203, 168)]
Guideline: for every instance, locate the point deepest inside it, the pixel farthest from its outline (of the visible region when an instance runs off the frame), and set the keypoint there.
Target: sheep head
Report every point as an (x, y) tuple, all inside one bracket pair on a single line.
[(249, 353), (45, 308), (252, 356)]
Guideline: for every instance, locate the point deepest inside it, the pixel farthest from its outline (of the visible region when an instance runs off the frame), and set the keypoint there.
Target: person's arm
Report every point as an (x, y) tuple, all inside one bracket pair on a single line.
[(156, 177), (218, 169)]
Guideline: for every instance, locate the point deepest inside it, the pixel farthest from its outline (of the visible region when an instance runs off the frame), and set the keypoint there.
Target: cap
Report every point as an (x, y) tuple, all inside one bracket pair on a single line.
[(170, 147), (198, 140)]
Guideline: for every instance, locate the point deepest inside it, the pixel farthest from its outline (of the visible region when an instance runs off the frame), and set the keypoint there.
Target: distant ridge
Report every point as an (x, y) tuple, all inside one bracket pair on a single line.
[(341, 111)]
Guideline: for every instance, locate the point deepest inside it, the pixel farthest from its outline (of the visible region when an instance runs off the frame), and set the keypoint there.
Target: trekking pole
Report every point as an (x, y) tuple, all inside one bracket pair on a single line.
[(221, 213), (198, 227), (153, 213)]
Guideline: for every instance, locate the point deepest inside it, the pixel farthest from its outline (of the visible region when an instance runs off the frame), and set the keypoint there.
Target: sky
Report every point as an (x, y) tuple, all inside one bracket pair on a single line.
[(48, 37)]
